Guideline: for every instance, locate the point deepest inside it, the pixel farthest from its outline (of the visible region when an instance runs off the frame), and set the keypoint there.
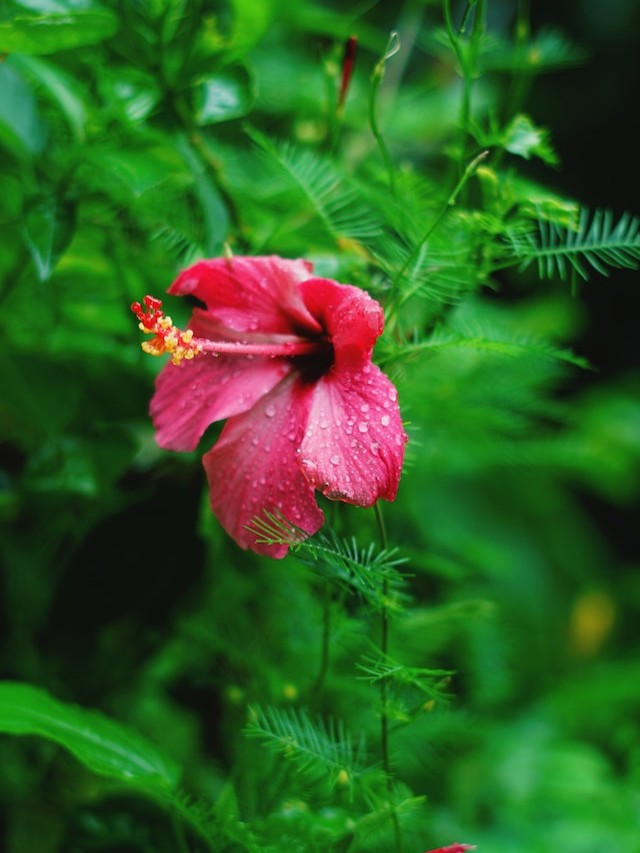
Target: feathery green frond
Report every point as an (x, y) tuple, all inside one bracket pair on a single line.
[(335, 203), (341, 561), (318, 749), (482, 338), (376, 825), (597, 243), (430, 682)]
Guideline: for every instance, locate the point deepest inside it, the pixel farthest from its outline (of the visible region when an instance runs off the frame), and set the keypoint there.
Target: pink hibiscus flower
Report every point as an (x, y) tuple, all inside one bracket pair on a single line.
[(285, 358), (453, 848)]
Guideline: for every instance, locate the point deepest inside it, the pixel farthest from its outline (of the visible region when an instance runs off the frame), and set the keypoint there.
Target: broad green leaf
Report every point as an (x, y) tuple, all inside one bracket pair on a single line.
[(50, 33), (223, 96), (48, 228), (252, 19), (21, 129), (103, 745), (61, 89)]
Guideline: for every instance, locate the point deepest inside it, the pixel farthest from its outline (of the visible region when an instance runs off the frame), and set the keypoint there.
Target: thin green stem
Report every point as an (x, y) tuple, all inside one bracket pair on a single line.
[(393, 46), (318, 684), (466, 55), (384, 721), (418, 248)]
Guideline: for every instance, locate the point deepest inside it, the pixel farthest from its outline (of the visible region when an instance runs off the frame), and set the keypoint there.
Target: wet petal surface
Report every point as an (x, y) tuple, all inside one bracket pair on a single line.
[(251, 294), (252, 467), (351, 319), (353, 445), (194, 394)]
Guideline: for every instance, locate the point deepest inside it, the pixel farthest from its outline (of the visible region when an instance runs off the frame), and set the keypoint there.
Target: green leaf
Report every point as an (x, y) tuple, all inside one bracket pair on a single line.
[(597, 243), (520, 137), (62, 90), (251, 21), (224, 96), (481, 338), (523, 138), (315, 748), (104, 746), (42, 34), (48, 228), (21, 128), (333, 201)]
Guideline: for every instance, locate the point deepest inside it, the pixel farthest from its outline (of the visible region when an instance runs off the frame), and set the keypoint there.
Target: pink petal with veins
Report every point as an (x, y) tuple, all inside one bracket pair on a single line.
[(192, 395), (351, 319), (353, 445), (252, 467), (251, 294)]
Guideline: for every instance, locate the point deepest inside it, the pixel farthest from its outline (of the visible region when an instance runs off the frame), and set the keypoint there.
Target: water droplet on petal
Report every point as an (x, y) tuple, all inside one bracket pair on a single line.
[(363, 427), (335, 460), (364, 407), (255, 441), (393, 394), (270, 411), (323, 423), (384, 420)]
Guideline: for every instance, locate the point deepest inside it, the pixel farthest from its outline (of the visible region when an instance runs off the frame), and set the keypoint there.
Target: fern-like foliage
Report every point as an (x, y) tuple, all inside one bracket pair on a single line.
[(336, 204), (317, 749), (597, 243), (430, 682), (218, 824), (481, 337), (375, 826), (340, 561)]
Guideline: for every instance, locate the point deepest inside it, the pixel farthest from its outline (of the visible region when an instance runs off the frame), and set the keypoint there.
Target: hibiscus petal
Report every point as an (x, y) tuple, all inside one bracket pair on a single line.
[(193, 394), (252, 467), (354, 442), (350, 317), (251, 294)]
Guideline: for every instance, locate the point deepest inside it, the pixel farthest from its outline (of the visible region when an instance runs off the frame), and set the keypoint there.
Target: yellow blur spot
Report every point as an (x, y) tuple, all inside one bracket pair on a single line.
[(290, 692), (342, 778), (592, 618)]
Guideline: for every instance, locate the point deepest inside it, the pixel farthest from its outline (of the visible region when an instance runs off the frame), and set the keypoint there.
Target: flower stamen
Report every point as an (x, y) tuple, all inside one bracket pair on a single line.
[(166, 336)]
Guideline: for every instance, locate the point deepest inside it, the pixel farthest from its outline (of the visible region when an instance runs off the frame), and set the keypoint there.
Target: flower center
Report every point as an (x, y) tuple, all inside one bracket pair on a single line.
[(168, 338)]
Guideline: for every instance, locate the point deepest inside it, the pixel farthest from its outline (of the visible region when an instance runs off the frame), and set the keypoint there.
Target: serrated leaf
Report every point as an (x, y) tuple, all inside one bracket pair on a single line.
[(103, 745)]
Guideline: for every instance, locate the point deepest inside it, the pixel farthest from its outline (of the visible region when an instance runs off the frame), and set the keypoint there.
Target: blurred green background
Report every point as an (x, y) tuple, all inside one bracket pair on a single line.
[(137, 137)]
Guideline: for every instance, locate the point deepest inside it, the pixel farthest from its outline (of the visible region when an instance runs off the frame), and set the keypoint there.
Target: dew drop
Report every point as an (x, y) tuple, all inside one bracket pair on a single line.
[(255, 441), (323, 423), (335, 460), (364, 407), (384, 420), (363, 427), (393, 394), (270, 411)]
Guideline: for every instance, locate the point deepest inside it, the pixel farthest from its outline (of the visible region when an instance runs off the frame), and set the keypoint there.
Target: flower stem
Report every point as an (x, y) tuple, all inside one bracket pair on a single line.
[(318, 684), (384, 722), (393, 46)]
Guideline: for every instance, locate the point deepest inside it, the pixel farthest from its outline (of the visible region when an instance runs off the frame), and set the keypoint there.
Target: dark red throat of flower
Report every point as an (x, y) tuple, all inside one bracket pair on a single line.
[(168, 338)]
